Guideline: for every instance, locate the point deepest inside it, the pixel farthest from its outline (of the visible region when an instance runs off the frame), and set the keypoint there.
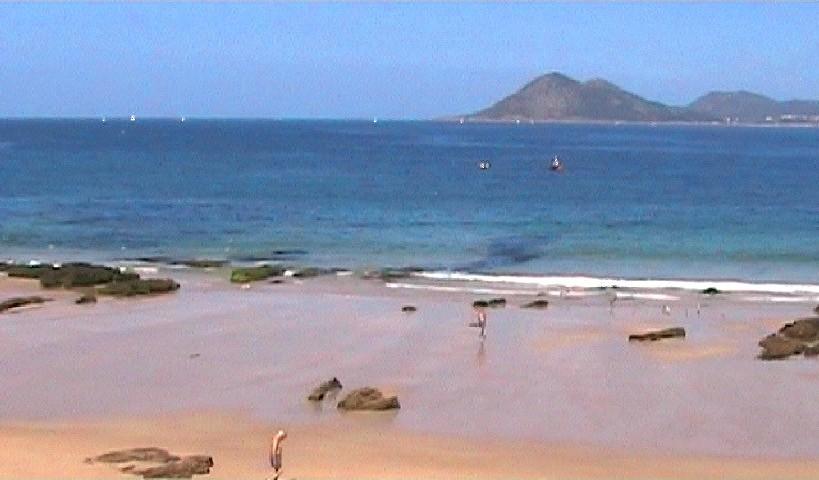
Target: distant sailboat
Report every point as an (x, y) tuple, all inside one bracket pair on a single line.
[(103, 119), (133, 118), (182, 119), (375, 120)]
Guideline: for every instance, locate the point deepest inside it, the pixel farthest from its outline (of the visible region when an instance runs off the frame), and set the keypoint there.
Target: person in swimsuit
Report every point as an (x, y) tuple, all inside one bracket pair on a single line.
[(276, 453)]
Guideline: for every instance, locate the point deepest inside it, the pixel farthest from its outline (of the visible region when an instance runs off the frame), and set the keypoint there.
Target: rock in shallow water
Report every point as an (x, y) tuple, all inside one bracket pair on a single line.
[(675, 332), (408, 308), (368, 399), (131, 288), (255, 274), (322, 390)]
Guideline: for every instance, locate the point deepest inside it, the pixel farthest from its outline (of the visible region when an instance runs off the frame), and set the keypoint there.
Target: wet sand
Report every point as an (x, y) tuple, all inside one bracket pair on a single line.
[(560, 390)]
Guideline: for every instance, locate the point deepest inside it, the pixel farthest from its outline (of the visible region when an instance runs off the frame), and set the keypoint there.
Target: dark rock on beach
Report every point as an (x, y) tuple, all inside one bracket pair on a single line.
[(408, 308), (676, 332), (154, 462), (536, 304), (777, 347), (139, 286), (255, 274), (16, 302), (322, 390), (491, 303), (710, 291), (147, 454), (86, 299), (816, 310), (186, 467), (798, 337), (496, 302), (368, 399)]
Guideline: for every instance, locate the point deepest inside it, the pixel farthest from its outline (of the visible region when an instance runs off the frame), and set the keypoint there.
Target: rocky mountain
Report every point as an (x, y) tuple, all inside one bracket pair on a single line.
[(555, 96), (752, 107)]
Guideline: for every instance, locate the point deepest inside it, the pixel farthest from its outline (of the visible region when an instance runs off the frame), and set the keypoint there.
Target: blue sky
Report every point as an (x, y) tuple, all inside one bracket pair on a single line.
[(406, 60)]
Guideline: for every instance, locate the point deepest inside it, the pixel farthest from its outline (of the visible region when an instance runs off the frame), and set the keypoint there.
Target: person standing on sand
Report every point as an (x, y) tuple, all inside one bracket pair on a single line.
[(482, 322), (276, 453)]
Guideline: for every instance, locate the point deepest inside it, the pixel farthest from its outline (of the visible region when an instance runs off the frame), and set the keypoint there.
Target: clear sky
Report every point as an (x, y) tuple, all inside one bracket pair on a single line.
[(406, 60)]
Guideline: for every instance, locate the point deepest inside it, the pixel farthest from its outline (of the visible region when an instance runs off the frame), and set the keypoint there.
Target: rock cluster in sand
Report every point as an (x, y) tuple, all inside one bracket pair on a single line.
[(795, 338)]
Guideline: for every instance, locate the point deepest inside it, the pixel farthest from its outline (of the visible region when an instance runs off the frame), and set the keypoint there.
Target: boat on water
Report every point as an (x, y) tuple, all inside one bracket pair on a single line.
[(484, 165), (133, 118), (556, 165)]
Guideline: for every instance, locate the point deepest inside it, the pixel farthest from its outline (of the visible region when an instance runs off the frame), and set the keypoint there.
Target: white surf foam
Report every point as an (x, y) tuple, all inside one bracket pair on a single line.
[(584, 282)]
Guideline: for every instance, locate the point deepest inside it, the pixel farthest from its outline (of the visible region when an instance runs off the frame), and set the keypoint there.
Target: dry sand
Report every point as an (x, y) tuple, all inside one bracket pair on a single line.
[(561, 392)]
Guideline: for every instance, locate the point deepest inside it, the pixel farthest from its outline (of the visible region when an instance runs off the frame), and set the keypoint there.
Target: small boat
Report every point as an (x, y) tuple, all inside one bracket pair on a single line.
[(103, 119), (484, 165), (133, 118), (556, 164)]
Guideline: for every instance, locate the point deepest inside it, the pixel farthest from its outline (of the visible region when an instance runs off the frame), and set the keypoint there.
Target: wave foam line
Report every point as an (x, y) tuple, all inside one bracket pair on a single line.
[(594, 282), (441, 288)]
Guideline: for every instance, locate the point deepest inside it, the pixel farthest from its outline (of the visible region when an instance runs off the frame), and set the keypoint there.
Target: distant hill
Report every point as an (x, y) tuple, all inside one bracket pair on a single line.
[(752, 107), (556, 97)]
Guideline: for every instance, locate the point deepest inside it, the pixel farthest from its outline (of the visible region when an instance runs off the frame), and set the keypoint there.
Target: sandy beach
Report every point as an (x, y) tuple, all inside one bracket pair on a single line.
[(557, 393)]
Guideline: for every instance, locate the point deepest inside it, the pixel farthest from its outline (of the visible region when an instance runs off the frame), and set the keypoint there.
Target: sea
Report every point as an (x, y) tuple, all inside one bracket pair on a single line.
[(656, 203)]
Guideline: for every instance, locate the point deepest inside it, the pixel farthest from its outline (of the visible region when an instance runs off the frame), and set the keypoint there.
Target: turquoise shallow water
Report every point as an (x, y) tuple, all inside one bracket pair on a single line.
[(635, 201)]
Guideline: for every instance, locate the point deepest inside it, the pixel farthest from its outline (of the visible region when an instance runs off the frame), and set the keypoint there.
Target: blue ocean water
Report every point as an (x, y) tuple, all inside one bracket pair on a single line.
[(634, 200)]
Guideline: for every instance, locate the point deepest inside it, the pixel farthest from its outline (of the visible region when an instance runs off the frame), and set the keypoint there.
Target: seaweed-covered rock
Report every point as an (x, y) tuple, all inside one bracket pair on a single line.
[(16, 302), (139, 286), (322, 390), (711, 291), (675, 332), (255, 274), (86, 298), (408, 308), (536, 304), (71, 275), (27, 271), (368, 399)]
